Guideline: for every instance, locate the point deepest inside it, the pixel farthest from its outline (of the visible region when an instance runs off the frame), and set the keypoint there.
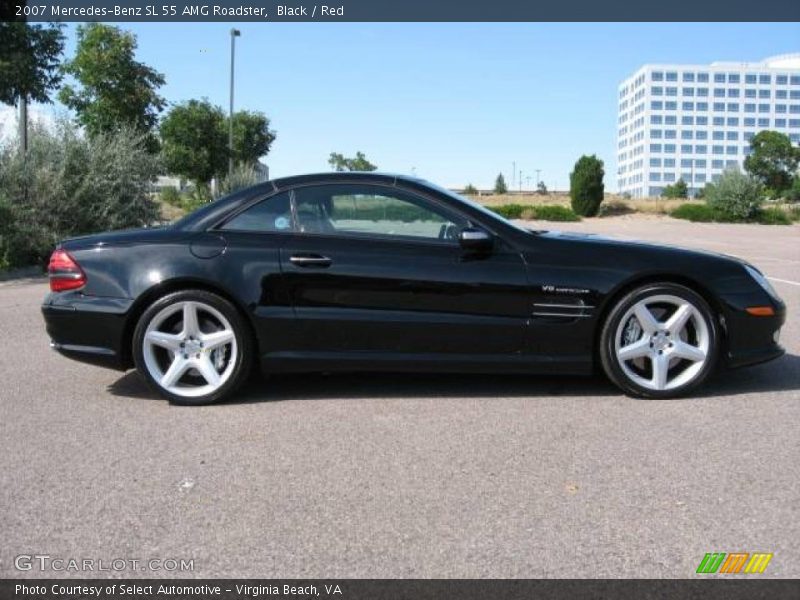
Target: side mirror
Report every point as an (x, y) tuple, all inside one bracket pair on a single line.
[(472, 239)]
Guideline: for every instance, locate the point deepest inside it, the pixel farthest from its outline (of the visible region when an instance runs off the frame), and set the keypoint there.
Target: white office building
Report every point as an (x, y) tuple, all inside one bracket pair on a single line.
[(691, 122)]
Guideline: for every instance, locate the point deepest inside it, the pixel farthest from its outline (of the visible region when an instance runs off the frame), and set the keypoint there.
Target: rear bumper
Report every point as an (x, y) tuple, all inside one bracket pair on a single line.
[(88, 329)]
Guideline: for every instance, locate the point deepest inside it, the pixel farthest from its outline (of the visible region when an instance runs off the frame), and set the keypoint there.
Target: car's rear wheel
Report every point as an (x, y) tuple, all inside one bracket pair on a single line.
[(659, 341), (192, 347)]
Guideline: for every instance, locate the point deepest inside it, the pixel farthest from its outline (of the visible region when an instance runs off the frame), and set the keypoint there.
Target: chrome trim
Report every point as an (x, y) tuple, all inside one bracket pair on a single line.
[(568, 315), (563, 305)]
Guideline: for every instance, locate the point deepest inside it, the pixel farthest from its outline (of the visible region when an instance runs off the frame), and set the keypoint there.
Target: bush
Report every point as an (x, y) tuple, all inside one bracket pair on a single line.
[(509, 211), (170, 195), (793, 193), (243, 176), (470, 190), (677, 190), (69, 185), (550, 212), (774, 216), (735, 196), (586, 187), (615, 208), (697, 213)]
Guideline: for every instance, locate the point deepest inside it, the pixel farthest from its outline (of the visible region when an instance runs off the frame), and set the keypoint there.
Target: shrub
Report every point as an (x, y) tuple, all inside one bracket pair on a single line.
[(697, 213), (794, 213), (550, 212), (470, 190), (793, 193), (735, 196), (774, 216), (614, 208), (243, 176), (586, 187), (170, 195), (509, 211), (69, 185), (677, 190)]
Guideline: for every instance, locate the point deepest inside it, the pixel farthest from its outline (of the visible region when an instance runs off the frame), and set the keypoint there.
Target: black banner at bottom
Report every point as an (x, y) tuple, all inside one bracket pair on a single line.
[(395, 589)]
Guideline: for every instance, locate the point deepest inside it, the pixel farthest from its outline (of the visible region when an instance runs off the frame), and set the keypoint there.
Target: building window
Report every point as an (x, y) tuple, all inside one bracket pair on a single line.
[(688, 92), (717, 150), (750, 93), (687, 120), (656, 105), (687, 134), (794, 94), (719, 77), (701, 120), (719, 106), (764, 79), (669, 148), (717, 164), (733, 121), (749, 108), (780, 122), (794, 109), (763, 122), (670, 105), (780, 109), (732, 150), (700, 163), (686, 148), (669, 163), (688, 106), (700, 177), (657, 76), (719, 121), (733, 93), (732, 136), (763, 94), (733, 107), (702, 92), (794, 123), (669, 176), (763, 108), (748, 135), (686, 163), (701, 135), (670, 120), (657, 91), (701, 149), (655, 176), (670, 134), (672, 76), (719, 92), (655, 134), (717, 135), (655, 119), (794, 80), (781, 94), (655, 148), (689, 77), (672, 91), (655, 162), (781, 79), (749, 122), (702, 77), (733, 78), (750, 78)]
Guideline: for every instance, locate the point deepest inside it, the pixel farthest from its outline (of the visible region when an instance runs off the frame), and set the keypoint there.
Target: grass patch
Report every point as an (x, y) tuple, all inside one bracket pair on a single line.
[(509, 211), (773, 216), (696, 213)]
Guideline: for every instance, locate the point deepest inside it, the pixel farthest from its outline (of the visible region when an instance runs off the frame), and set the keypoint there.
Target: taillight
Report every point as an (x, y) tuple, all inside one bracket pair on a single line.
[(65, 273)]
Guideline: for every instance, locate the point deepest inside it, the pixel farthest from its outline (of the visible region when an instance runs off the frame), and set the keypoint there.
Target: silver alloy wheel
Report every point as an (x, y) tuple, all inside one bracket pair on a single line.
[(662, 342), (182, 357)]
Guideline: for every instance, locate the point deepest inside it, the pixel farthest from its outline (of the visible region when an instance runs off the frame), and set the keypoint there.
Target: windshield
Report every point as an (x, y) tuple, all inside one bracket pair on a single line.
[(477, 206)]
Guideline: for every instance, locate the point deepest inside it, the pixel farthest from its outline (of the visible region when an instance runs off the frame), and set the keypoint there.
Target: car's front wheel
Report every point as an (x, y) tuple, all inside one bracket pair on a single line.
[(659, 341), (192, 347)]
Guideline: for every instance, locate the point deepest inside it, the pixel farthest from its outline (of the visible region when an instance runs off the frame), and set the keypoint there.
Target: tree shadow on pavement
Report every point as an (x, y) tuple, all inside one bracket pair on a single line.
[(780, 375)]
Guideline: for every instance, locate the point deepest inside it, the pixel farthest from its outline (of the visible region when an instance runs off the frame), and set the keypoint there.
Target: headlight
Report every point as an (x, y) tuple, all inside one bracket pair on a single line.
[(762, 281)]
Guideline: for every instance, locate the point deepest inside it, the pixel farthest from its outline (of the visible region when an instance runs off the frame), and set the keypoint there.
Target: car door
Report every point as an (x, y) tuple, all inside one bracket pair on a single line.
[(377, 269)]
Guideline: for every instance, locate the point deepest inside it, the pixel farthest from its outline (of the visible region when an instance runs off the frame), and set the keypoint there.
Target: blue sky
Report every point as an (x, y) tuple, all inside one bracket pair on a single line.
[(455, 103)]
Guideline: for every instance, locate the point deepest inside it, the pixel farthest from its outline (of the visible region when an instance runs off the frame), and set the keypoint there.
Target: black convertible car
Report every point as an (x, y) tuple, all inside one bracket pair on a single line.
[(365, 271)]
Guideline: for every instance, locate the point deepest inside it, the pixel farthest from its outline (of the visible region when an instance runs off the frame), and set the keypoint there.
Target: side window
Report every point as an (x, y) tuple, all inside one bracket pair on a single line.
[(270, 215), (373, 210)]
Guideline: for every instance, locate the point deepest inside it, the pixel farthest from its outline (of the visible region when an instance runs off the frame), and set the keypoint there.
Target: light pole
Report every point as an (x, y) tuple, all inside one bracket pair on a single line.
[(537, 177), (234, 34)]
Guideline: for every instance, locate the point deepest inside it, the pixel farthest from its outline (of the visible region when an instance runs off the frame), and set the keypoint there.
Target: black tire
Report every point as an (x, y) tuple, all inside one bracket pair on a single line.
[(607, 350), (244, 356)]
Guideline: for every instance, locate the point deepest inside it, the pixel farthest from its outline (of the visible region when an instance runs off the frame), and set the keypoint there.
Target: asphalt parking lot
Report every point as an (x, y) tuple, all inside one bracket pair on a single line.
[(406, 476)]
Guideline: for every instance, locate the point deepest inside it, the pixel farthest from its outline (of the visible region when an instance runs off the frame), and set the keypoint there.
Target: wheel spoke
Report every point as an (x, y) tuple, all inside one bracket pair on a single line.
[(660, 364), (207, 370), (679, 318), (191, 326), (164, 340), (175, 371), (689, 352), (635, 350), (218, 338), (645, 318)]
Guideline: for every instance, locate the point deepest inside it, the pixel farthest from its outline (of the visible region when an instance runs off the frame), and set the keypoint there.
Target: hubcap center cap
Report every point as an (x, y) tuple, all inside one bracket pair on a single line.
[(192, 346), (660, 341)]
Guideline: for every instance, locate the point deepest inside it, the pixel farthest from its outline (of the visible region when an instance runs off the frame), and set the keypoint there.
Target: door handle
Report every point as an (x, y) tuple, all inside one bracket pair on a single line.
[(310, 260)]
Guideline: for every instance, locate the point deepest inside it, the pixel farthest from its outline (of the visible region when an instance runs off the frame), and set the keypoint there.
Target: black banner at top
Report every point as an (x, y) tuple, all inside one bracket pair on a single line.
[(399, 10)]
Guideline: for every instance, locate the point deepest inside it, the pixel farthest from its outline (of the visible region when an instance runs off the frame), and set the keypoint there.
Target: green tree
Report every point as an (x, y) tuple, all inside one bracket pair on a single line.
[(586, 188), (500, 186), (29, 61), (735, 196), (541, 188), (252, 137), (679, 189), (113, 89), (339, 162), (773, 160), (194, 141), (470, 190)]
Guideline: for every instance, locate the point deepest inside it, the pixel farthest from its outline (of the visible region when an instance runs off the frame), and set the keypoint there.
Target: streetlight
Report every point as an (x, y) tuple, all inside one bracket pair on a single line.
[(234, 34)]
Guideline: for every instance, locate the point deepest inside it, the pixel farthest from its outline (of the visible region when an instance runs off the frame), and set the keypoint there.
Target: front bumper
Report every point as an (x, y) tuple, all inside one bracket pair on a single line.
[(751, 339), (88, 328)]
